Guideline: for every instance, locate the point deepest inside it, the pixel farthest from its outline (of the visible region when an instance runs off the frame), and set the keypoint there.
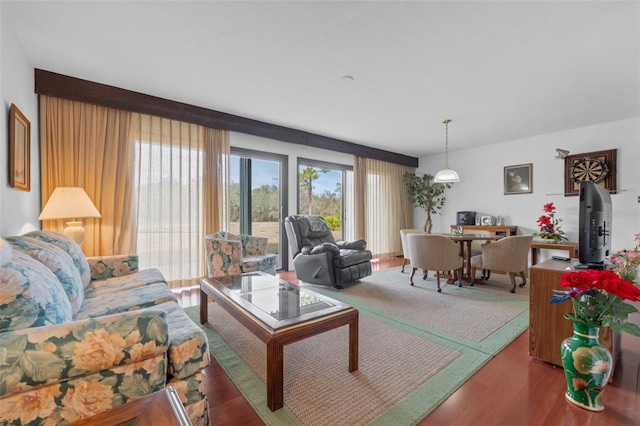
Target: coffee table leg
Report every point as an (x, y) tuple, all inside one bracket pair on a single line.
[(275, 381), (204, 307), (353, 343)]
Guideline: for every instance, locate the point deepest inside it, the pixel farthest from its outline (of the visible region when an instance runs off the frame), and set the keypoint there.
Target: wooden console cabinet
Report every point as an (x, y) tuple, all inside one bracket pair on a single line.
[(506, 231), (547, 325)]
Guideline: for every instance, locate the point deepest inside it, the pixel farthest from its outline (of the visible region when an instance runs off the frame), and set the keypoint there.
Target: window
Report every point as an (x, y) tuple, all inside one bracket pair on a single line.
[(325, 189), (257, 198)]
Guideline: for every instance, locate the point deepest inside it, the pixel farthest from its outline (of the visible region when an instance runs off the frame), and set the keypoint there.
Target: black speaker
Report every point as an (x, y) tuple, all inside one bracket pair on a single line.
[(465, 218)]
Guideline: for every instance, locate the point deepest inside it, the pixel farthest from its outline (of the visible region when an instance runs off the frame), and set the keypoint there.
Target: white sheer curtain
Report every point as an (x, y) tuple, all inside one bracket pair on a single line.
[(382, 205), (174, 194)]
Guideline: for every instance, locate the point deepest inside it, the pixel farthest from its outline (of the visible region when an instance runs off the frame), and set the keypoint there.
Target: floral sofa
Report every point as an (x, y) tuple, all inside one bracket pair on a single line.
[(79, 336), (233, 254)]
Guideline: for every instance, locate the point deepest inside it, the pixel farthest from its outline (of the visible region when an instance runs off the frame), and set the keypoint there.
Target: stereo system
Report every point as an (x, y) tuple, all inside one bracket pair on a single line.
[(466, 218), (472, 218), (487, 220)]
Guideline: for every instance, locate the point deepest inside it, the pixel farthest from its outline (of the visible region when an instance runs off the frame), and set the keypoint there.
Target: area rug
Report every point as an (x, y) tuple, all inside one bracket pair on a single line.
[(417, 347)]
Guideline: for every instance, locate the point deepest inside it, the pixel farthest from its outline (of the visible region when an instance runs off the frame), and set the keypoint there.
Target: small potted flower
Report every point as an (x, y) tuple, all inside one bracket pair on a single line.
[(627, 261), (550, 226)]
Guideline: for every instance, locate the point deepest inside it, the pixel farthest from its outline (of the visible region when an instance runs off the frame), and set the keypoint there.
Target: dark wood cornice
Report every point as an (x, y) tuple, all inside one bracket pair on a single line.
[(62, 86)]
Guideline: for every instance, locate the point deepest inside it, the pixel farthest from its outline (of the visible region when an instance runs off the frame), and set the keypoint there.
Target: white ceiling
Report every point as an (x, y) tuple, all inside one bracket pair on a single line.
[(501, 70)]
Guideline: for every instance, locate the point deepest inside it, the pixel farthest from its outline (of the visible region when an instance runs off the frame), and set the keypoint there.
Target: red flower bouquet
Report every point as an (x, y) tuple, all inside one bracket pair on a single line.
[(598, 299)]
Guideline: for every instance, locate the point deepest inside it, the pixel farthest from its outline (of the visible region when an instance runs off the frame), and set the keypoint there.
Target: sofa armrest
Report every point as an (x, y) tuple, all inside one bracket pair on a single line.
[(39, 356), (352, 245), (321, 248), (103, 267), (224, 257), (253, 246)]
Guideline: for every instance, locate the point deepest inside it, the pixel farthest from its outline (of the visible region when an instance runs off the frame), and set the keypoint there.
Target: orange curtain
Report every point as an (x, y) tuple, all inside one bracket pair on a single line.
[(159, 184), (87, 146)]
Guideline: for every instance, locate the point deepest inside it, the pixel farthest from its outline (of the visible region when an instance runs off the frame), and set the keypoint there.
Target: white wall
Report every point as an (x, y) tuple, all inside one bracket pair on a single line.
[(19, 210), (481, 179)]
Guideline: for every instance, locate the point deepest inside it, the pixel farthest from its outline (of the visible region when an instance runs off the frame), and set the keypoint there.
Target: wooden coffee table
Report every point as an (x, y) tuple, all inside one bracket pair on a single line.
[(279, 313)]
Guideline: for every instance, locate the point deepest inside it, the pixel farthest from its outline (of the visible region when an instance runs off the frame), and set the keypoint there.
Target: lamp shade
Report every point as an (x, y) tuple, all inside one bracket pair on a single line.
[(69, 202), (446, 176)]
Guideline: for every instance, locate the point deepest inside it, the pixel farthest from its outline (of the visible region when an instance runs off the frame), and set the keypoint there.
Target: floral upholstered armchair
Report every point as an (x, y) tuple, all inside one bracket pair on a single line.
[(234, 254)]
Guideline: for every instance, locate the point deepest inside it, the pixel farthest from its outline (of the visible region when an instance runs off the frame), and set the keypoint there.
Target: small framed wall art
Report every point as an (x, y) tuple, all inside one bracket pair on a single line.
[(518, 179), (598, 167), (19, 150)]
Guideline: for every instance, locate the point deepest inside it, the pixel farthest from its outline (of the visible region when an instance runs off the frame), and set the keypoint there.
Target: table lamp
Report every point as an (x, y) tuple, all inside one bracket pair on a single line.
[(70, 203)]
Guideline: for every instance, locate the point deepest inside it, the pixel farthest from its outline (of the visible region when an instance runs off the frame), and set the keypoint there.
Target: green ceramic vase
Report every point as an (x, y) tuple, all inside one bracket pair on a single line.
[(587, 367)]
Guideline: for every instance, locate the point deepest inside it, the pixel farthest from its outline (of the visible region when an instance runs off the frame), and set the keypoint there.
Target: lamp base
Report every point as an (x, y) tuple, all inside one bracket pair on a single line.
[(75, 231)]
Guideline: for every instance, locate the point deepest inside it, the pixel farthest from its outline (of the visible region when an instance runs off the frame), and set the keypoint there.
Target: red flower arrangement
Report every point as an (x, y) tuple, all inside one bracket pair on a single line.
[(598, 299), (550, 225)]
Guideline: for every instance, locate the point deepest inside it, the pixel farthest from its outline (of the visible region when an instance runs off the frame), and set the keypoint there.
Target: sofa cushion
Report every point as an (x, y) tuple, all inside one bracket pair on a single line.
[(126, 300), (68, 245), (30, 295), (137, 279), (265, 263), (58, 262)]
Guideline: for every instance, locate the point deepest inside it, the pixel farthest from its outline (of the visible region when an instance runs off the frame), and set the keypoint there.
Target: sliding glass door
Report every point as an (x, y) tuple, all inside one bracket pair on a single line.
[(325, 189), (258, 196)]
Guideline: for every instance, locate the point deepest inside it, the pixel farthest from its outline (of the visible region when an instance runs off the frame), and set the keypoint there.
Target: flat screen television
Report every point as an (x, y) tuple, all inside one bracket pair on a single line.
[(594, 239)]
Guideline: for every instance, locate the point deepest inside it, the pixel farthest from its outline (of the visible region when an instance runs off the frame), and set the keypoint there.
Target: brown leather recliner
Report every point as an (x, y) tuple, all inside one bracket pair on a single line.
[(319, 259)]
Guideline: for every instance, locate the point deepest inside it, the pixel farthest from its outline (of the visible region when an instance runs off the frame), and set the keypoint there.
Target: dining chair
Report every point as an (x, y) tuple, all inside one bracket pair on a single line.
[(405, 247), (509, 255), (436, 253)]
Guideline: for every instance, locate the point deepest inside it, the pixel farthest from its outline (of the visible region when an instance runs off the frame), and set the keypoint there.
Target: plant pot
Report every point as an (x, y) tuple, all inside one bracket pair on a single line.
[(587, 367)]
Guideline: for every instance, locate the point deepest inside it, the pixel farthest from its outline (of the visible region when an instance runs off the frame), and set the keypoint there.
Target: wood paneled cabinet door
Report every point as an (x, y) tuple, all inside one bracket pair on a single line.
[(547, 325)]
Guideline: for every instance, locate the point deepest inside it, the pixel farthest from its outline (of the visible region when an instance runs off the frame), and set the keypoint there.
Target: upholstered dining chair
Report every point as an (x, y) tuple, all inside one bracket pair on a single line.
[(405, 247), (436, 253), (509, 255)]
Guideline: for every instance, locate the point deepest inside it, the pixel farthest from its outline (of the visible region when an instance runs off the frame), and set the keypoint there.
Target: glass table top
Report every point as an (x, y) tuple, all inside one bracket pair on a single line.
[(276, 298)]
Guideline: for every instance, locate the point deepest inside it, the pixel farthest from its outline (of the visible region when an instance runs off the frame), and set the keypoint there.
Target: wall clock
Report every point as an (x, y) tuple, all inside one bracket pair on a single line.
[(598, 167)]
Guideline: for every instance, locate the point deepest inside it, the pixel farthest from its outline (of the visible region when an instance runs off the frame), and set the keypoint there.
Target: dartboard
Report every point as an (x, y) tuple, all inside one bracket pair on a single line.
[(589, 169)]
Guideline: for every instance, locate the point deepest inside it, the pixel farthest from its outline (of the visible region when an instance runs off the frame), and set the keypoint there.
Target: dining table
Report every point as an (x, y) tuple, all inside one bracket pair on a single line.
[(464, 240)]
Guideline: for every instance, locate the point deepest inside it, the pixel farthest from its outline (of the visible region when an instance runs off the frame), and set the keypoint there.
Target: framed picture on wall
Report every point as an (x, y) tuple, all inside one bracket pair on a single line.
[(518, 179), (19, 150)]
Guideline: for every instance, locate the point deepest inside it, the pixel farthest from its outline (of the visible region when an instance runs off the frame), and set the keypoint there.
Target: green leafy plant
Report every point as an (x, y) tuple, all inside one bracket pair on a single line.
[(427, 194), (334, 222)]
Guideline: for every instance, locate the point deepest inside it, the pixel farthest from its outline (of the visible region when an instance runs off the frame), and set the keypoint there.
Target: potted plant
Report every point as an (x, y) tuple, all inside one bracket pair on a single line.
[(427, 194), (550, 226)]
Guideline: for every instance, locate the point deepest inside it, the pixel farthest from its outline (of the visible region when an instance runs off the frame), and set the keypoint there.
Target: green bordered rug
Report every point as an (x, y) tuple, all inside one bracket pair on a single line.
[(416, 348)]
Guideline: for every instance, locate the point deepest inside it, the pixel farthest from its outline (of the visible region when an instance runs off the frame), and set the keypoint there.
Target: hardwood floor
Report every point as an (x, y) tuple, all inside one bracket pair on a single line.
[(511, 389)]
